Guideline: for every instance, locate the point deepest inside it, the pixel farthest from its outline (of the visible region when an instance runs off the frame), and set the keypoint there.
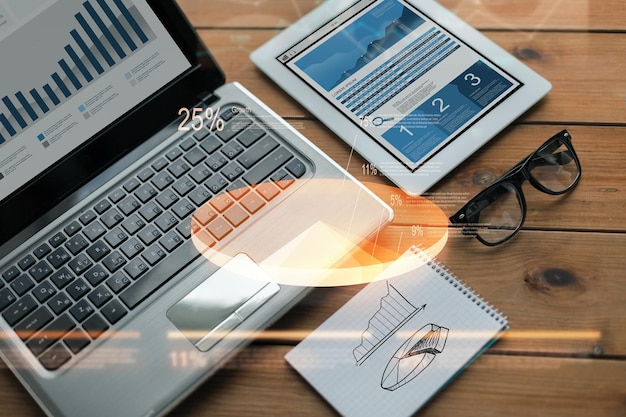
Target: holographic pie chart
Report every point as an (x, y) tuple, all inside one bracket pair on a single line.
[(415, 355)]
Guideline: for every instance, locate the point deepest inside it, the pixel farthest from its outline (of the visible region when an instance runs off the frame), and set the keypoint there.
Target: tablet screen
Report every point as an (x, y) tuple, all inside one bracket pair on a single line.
[(405, 80)]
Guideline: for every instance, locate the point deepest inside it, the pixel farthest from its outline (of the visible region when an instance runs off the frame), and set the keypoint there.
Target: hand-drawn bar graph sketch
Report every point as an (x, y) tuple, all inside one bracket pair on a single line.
[(395, 310)]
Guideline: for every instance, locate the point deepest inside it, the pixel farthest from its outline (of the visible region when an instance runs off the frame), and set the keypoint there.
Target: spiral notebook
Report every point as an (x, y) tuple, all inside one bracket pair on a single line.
[(399, 341)]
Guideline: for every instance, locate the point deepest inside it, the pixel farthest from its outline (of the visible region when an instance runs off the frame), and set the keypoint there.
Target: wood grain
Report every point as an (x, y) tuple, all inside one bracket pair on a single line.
[(483, 14)]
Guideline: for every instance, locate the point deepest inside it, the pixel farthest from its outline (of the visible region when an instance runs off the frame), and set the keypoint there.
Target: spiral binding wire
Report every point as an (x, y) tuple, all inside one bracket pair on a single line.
[(437, 266)]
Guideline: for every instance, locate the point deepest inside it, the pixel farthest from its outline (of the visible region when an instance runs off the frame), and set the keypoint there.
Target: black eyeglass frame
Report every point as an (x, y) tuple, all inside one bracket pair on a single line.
[(516, 177)]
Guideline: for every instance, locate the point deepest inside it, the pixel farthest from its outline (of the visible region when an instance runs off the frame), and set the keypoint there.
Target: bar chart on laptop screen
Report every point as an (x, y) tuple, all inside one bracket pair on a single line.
[(104, 34)]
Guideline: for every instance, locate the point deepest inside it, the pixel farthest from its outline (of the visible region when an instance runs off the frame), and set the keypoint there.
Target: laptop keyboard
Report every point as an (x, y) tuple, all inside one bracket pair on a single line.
[(101, 265)]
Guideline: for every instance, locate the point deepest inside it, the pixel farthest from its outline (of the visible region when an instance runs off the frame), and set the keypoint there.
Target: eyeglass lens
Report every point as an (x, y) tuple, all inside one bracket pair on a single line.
[(501, 217), (554, 167)]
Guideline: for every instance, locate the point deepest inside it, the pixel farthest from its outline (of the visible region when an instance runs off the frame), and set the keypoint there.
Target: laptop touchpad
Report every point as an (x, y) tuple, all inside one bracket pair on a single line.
[(222, 301)]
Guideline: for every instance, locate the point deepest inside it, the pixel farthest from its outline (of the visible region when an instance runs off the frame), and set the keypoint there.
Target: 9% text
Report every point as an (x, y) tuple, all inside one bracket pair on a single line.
[(197, 117)]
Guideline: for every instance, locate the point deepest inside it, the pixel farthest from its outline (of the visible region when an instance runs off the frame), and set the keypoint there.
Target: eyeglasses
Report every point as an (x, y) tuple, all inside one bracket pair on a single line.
[(497, 213)]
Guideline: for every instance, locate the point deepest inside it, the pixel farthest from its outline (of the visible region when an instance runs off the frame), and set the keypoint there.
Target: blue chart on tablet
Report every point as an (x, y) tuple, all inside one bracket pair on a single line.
[(403, 79)]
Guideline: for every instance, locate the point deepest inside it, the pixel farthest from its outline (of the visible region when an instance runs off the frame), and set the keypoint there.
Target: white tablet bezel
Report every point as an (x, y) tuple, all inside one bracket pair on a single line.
[(415, 182)]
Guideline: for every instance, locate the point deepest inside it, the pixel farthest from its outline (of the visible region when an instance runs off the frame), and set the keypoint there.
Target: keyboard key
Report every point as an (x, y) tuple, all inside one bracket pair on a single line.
[(184, 186), (59, 303), (80, 264), (258, 152), (76, 244), (100, 296), (22, 285), (183, 208), (136, 268), (236, 216), (195, 156), (96, 275), (211, 144), (150, 211), (145, 174), (200, 173), (94, 231), (222, 202), (44, 291), (95, 326), (118, 282), (171, 241), (72, 228), (131, 185), (219, 228), (232, 171), (50, 334), (162, 180), (18, 310), (131, 248), (56, 357), (111, 218), (87, 217), (117, 195), (216, 183), (77, 340), (179, 168), (216, 162), (40, 271), (159, 164), (133, 224), (33, 323), (268, 190), (6, 298), (205, 214), (238, 189), (187, 144), (42, 250), (167, 198), (145, 193), (128, 205), (296, 168), (252, 202), (165, 222), (114, 311), (10, 274), (153, 254), (102, 206), (199, 195), (57, 239), (98, 250), (173, 154), (62, 277), (115, 237), (58, 257), (251, 136), (77, 289), (26, 262), (82, 310), (149, 234), (232, 150), (114, 261)]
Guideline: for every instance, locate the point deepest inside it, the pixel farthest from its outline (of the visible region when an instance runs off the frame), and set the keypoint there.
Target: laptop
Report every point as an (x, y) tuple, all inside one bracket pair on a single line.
[(144, 202)]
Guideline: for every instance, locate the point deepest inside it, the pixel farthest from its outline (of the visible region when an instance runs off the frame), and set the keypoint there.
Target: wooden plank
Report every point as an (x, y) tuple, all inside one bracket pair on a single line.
[(563, 293), (260, 380), (491, 14), (582, 67)]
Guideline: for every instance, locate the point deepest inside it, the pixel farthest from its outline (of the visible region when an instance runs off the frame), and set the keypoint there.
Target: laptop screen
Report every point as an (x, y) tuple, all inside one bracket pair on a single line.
[(70, 71)]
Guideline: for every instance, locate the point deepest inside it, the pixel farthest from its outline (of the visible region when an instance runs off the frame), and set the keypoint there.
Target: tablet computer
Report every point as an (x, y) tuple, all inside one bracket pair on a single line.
[(406, 83)]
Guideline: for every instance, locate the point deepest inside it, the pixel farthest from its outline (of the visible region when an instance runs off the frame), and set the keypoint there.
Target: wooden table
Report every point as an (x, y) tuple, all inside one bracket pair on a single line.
[(561, 281)]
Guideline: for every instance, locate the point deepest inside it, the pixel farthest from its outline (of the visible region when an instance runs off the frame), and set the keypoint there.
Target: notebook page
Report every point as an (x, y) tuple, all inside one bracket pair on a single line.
[(397, 342)]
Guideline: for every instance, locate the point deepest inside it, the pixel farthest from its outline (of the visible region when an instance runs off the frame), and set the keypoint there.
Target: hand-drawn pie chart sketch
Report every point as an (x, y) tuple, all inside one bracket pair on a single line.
[(395, 310), (415, 355)]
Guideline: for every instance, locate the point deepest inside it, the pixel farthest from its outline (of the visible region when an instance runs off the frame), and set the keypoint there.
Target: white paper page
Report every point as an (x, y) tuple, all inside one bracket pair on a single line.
[(396, 343)]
